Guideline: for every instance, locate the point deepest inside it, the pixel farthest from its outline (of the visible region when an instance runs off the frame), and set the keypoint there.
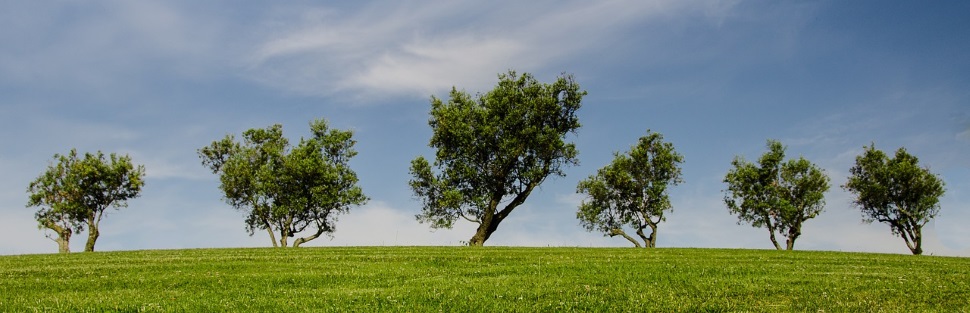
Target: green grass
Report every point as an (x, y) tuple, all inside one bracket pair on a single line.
[(490, 279)]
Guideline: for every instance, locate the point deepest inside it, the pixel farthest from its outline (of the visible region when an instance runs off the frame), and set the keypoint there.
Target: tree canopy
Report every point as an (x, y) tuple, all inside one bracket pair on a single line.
[(896, 191), (632, 190), (775, 194), (75, 191), (286, 190), (494, 149)]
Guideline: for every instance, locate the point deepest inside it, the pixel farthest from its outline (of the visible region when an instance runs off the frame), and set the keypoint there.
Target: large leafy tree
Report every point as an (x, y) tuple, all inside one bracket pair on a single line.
[(74, 193), (285, 189), (632, 191), (494, 149), (896, 191), (776, 194)]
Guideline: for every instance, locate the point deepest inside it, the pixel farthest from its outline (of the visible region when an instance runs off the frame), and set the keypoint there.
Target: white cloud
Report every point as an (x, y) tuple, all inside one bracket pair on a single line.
[(422, 48), (378, 224)]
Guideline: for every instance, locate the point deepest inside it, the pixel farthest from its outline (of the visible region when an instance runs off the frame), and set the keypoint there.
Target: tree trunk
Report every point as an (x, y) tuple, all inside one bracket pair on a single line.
[(771, 231), (620, 232), (63, 243), (93, 234), (487, 226), (63, 239), (651, 241), (283, 236), (793, 234), (653, 236), (94, 218), (491, 219), (914, 239), (484, 231), (646, 240), (302, 240)]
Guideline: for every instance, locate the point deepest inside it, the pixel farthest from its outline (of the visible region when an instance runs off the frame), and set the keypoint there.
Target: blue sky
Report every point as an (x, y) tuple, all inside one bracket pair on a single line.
[(159, 79)]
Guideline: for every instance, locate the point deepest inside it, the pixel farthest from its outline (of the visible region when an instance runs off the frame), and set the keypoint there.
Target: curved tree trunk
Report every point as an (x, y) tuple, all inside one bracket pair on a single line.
[(914, 239), (93, 234), (491, 219), (302, 240), (94, 219), (771, 231), (620, 232), (484, 231), (63, 239), (649, 241)]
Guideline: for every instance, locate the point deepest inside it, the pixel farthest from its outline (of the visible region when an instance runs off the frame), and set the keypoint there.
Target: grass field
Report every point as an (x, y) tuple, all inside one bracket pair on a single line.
[(495, 279)]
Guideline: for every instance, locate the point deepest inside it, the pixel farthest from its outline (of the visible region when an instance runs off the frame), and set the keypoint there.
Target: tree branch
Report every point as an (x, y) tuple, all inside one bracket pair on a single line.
[(620, 232)]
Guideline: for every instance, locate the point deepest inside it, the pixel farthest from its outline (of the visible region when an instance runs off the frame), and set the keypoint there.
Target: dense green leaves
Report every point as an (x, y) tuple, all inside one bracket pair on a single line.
[(632, 190), (495, 148), (75, 191), (897, 192), (774, 194), (285, 189)]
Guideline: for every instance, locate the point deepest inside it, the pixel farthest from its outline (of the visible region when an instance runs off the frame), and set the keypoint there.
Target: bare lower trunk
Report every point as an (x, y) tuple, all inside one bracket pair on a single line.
[(651, 241), (647, 240), (489, 222), (914, 239), (793, 234), (63, 239), (620, 232), (302, 240), (771, 232), (481, 234), (93, 234), (272, 236), (283, 236), (63, 243)]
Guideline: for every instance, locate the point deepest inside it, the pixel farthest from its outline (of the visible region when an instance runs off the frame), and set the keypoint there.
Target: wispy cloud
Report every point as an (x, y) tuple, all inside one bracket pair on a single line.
[(418, 48)]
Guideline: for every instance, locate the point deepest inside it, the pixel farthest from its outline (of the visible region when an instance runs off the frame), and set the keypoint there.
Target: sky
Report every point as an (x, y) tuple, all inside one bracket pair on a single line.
[(157, 80)]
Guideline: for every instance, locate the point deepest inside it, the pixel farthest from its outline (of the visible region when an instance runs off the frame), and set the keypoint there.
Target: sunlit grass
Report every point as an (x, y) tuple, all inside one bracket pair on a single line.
[(482, 279)]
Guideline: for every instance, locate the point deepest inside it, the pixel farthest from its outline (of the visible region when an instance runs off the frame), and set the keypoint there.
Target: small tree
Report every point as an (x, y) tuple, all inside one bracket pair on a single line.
[(495, 149), (777, 195), (897, 192), (286, 190), (632, 191), (75, 192)]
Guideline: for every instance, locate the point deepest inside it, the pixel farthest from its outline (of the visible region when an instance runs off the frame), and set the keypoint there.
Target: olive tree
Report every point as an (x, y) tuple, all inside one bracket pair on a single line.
[(494, 149), (896, 191), (631, 191), (285, 189), (776, 194), (74, 193)]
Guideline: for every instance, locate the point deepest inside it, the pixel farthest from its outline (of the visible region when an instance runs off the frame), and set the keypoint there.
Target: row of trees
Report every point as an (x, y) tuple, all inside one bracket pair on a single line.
[(492, 150)]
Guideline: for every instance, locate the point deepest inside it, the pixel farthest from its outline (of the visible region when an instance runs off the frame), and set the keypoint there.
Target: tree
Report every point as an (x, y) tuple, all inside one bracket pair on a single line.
[(494, 150), (777, 195), (286, 190), (75, 192), (897, 192), (632, 190)]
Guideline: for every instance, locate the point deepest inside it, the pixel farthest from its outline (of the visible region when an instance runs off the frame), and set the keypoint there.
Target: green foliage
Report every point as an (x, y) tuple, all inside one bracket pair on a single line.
[(897, 192), (495, 148), (493, 279), (632, 190), (777, 195), (74, 192), (285, 189)]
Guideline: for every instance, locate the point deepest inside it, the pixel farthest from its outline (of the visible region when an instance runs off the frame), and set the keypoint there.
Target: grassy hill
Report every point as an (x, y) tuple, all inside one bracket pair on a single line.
[(491, 279)]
